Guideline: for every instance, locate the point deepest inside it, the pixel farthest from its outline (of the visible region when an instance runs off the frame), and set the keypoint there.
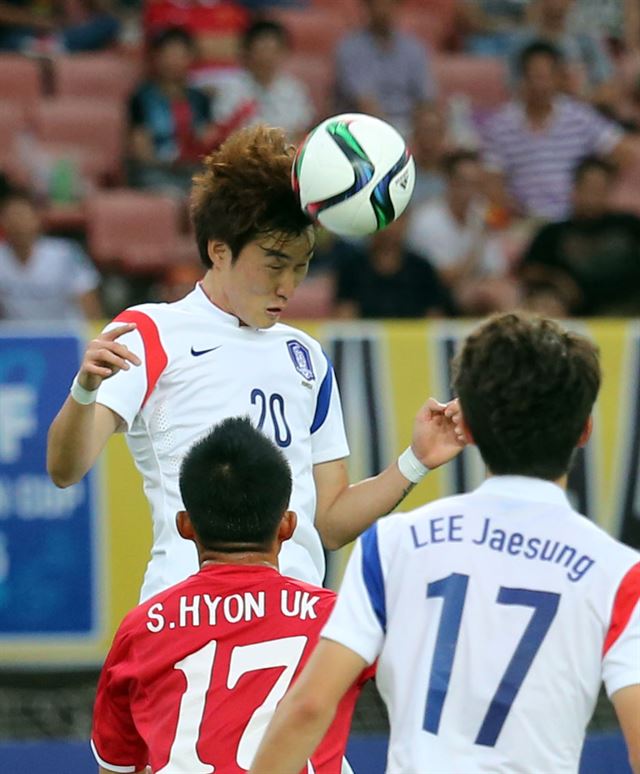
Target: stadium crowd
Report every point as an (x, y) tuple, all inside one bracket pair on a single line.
[(523, 117)]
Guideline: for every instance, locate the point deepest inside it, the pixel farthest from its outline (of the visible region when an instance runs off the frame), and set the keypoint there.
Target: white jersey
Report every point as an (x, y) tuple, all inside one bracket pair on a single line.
[(495, 616), (200, 366)]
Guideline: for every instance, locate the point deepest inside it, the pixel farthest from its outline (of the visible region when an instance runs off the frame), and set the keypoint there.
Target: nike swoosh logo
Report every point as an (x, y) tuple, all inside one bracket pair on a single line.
[(198, 352)]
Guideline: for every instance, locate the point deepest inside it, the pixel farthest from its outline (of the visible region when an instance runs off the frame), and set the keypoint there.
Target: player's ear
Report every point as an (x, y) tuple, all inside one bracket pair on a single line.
[(219, 252), (184, 525), (586, 432), (288, 525), (468, 437)]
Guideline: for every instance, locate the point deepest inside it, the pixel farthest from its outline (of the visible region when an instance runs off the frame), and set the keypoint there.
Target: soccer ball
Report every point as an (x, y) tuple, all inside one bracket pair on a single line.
[(353, 174)]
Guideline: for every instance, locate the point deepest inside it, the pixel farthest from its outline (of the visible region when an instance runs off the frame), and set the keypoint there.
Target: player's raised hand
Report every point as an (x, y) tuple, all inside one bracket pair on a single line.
[(104, 357), (454, 412), (437, 435)]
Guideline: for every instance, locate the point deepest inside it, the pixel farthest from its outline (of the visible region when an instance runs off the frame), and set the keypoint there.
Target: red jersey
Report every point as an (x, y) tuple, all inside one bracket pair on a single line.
[(195, 673)]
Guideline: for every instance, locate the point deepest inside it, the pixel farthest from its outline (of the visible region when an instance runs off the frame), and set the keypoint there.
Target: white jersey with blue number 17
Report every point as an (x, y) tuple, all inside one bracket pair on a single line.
[(200, 366), (494, 616)]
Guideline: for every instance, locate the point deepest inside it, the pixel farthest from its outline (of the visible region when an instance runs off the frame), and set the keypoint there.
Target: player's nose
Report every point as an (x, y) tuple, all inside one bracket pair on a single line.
[(286, 286)]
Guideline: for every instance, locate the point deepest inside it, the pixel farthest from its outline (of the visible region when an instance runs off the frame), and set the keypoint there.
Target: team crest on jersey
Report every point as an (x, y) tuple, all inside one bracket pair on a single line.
[(301, 359)]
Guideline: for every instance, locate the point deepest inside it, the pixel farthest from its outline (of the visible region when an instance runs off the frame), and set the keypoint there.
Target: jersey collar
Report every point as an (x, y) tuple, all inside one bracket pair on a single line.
[(525, 488)]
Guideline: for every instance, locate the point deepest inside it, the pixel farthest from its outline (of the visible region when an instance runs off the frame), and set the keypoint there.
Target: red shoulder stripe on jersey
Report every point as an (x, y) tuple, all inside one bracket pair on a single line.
[(626, 598), (155, 356)]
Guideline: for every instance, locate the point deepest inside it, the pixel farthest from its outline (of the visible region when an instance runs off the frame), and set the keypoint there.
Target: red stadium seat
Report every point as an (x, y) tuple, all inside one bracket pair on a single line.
[(95, 75), (19, 80), (314, 30), (12, 122), (136, 231), (95, 128), (482, 79), (432, 22)]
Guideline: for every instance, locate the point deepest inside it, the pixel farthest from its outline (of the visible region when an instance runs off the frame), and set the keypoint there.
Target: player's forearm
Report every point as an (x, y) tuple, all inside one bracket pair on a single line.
[(359, 505), (70, 445), (295, 731)]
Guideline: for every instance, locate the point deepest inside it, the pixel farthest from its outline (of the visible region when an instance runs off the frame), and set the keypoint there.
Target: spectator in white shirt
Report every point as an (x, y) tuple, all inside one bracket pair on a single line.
[(42, 278), (262, 92), (452, 233)]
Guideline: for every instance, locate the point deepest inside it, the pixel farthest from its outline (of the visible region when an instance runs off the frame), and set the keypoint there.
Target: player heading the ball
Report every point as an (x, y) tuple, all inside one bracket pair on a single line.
[(494, 616), (165, 373)]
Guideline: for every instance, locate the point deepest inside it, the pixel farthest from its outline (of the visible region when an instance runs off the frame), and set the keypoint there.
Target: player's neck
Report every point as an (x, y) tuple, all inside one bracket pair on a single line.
[(218, 297), (214, 293), (265, 558)]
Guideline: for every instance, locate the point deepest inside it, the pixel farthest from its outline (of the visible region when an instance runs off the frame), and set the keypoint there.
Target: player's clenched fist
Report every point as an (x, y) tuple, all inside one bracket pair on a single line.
[(105, 356), (437, 435)]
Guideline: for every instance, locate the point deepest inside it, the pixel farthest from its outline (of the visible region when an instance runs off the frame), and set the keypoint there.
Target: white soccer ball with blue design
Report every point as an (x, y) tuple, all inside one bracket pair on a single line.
[(353, 174)]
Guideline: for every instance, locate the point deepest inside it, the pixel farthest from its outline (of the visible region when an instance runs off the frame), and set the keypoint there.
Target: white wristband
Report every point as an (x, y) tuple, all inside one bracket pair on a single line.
[(81, 395), (411, 467)]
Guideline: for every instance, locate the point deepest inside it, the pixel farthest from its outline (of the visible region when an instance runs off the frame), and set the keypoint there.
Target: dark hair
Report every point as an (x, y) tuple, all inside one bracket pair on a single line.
[(245, 191), (588, 163), (235, 484), (453, 160), (526, 388), (265, 27), (168, 35), (534, 49)]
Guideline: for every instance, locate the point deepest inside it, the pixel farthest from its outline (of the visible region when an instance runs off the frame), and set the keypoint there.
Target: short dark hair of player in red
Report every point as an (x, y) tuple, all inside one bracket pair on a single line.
[(526, 388), (244, 192), (236, 485)]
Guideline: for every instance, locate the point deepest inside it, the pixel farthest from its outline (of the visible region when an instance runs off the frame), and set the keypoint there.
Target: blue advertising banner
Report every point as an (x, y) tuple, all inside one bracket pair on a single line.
[(48, 568)]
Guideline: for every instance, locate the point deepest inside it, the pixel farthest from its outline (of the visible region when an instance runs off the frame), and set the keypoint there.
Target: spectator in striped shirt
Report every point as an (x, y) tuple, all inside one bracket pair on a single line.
[(532, 144)]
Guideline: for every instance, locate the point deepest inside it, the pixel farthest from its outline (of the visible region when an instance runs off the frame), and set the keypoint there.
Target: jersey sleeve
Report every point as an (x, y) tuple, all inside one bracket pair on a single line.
[(328, 437), (621, 652), (115, 741), (359, 618), (126, 392)]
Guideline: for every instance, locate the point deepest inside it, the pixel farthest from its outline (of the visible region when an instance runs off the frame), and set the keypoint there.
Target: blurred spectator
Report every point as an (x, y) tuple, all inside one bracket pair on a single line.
[(386, 280), (589, 71), (42, 278), (452, 232), (169, 120), (383, 71), (488, 25), (263, 92), (532, 144), (51, 27), (588, 264), (428, 146)]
